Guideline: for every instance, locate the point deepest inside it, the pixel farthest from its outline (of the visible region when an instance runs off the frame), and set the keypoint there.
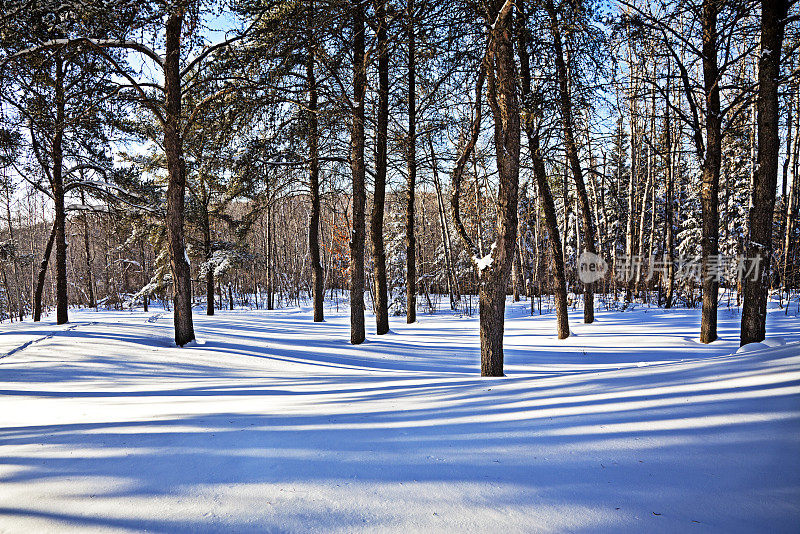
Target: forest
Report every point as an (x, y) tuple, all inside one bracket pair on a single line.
[(212, 155), (550, 176)]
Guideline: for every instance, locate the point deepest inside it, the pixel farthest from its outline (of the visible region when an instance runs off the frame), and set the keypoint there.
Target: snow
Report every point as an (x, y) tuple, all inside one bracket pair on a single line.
[(752, 347), (775, 341), (486, 261), (276, 423)]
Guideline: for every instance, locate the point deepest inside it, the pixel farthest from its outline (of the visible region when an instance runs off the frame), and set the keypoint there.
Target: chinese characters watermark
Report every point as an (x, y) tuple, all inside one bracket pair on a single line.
[(719, 267)]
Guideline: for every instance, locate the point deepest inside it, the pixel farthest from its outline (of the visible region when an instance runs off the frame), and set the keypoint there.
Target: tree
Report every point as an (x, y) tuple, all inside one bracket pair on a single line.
[(707, 118), (669, 205), (411, 162), (765, 181), (60, 89), (571, 148), (166, 105), (530, 114), (498, 69), (380, 290), (709, 195), (357, 168), (317, 274)]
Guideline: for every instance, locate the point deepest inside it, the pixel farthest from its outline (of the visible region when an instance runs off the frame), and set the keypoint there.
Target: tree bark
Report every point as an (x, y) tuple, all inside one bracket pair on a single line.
[(790, 222), (791, 112), (358, 234), (37, 296), (87, 252), (20, 306), (545, 195), (209, 253), (790, 204), (380, 290), (452, 280), (498, 69), (669, 210), (176, 169), (502, 99), (9, 304), (643, 214), (516, 272), (630, 226), (58, 199), (565, 102), (317, 275), (709, 193), (765, 181), (270, 252), (411, 181)]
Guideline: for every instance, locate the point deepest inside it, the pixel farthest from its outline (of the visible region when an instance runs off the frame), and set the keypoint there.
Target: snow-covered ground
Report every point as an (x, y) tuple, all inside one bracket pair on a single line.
[(274, 423)]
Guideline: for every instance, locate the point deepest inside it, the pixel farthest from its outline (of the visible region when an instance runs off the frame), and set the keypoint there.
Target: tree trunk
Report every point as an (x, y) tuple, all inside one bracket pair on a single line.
[(317, 275), (516, 274), (669, 210), (87, 252), (58, 199), (209, 254), (630, 226), (785, 185), (358, 235), (633, 179), (756, 287), (591, 176), (478, 205), (176, 169), (37, 296), (571, 148), (551, 225), (8, 299), (790, 204), (452, 280), (545, 197), (787, 237), (380, 290), (709, 194), (502, 99), (20, 308), (649, 190), (642, 217), (411, 181), (270, 255)]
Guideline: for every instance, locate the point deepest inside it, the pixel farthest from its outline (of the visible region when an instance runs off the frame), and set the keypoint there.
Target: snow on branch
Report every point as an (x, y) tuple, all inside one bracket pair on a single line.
[(87, 207), (503, 13), (110, 189)]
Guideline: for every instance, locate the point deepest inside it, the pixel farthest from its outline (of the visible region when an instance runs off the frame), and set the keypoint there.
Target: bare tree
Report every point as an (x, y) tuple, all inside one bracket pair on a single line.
[(317, 274), (571, 147), (380, 289), (765, 181), (500, 73), (542, 184), (357, 167), (411, 162)]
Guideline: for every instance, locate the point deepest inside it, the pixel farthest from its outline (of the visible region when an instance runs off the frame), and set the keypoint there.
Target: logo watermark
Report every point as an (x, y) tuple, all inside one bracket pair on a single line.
[(592, 267)]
